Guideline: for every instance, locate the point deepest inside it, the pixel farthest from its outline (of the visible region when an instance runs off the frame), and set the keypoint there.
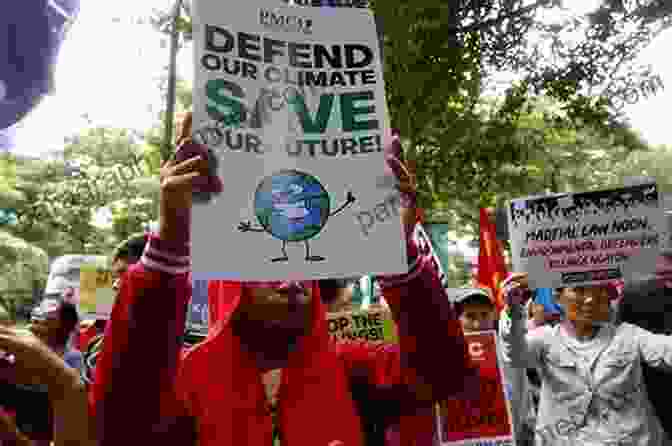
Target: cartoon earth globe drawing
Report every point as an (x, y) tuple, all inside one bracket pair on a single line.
[(292, 206)]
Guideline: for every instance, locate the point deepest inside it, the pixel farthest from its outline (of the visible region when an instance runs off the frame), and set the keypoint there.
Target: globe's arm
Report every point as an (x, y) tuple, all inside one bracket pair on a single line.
[(348, 202), (246, 226)]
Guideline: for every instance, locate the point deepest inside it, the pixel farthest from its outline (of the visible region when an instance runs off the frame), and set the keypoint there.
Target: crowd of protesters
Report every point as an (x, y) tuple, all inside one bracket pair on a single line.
[(268, 373), (591, 371)]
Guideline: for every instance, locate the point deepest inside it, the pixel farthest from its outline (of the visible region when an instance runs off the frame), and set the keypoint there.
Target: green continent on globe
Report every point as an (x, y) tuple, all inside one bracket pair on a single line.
[(292, 206)]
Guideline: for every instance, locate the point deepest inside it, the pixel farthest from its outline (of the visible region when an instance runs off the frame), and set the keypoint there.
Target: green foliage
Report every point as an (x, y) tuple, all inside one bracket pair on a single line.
[(551, 152), (23, 269), (654, 163), (101, 169)]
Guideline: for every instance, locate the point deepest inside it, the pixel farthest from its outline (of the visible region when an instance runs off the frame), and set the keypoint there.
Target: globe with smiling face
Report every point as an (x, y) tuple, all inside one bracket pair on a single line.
[(292, 206)]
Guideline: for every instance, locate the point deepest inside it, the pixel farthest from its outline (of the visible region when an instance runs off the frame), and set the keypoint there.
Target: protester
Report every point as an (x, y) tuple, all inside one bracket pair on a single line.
[(647, 303), (53, 322), (29, 362), (213, 393), (475, 309), (592, 390), (127, 253), (477, 312)]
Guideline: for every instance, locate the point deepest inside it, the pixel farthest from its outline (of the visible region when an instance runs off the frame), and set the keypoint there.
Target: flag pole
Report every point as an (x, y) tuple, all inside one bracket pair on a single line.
[(172, 80)]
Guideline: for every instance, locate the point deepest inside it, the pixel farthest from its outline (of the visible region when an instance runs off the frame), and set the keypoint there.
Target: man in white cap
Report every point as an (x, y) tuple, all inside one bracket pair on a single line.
[(53, 321), (478, 312)]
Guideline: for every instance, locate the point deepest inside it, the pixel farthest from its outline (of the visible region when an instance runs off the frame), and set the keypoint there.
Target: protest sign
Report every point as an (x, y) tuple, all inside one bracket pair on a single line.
[(293, 113), (587, 238), (486, 421), (373, 324), (96, 295)]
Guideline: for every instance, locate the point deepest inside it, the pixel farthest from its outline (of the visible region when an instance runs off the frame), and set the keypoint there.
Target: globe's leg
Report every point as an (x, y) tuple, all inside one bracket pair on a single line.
[(310, 258), (285, 257)]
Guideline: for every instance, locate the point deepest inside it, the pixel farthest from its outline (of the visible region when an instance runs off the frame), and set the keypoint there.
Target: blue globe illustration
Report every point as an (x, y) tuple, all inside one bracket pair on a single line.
[(292, 206)]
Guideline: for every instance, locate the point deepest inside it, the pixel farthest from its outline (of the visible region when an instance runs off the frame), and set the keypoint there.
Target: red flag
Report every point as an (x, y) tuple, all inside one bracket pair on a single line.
[(420, 215), (491, 264)]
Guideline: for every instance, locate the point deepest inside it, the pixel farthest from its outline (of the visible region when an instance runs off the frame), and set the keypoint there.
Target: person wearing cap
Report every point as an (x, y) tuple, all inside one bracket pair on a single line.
[(51, 325), (590, 365), (53, 322), (477, 312), (475, 309)]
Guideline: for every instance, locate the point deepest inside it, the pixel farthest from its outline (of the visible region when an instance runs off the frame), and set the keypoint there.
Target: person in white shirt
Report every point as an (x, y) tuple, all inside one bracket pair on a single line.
[(590, 365)]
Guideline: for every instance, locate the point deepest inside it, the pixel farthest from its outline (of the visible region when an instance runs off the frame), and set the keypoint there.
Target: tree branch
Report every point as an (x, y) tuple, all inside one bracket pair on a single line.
[(480, 26)]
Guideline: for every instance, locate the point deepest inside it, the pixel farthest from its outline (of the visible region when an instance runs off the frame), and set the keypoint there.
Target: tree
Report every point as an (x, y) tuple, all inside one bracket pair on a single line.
[(34, 221), (121, 171), (440, 56), (56, 200), (655, 163), (23, 272), (553, 156)]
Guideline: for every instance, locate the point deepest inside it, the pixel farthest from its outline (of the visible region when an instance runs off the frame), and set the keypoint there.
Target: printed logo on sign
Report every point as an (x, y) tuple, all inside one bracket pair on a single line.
[(288, 23)]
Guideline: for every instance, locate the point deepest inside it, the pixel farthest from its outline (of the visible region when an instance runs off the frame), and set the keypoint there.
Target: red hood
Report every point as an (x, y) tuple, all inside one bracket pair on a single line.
[(225, 296), (222, 385)]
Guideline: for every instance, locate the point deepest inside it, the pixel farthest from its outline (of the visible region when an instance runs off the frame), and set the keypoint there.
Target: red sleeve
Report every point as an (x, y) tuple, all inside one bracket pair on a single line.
[(133, 395), (432, 356)]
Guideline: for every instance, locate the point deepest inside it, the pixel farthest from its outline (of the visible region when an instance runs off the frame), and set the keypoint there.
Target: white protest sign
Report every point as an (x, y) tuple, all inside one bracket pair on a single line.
[(293, 110), (587, 238)]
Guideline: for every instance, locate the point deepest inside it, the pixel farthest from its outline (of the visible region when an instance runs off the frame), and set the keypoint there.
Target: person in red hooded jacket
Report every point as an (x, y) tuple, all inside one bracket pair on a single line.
[(147, 390)]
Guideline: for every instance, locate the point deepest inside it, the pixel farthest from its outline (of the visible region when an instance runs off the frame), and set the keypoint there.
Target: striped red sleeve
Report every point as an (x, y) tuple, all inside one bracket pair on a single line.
[(171, 258), (433, 348)]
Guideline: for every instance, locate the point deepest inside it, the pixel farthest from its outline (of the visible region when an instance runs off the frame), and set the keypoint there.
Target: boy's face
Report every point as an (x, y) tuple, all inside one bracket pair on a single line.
[(477, 317), (586, 304)]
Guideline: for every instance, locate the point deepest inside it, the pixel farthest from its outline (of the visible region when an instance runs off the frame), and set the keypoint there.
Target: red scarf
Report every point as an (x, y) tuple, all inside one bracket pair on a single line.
[(222, 386)]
